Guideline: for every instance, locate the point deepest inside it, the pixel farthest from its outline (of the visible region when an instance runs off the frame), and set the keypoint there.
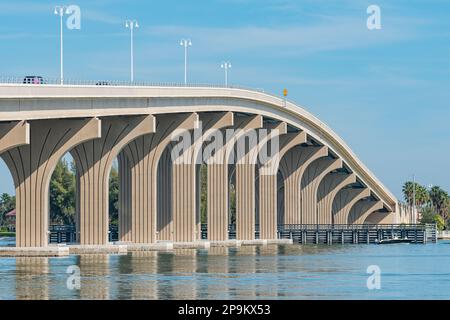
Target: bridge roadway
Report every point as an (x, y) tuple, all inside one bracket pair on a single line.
[(316, 179)]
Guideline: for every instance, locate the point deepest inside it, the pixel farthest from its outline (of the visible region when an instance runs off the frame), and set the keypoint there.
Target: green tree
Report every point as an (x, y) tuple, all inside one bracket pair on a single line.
[(232, 204), (427, 215), (7, 204), (114, 196), (440, 201), (62, 194), (421, 193)]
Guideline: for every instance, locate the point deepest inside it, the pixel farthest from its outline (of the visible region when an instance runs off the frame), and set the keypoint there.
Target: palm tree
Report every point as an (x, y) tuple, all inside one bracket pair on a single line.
[(421, 193), (440, 201)]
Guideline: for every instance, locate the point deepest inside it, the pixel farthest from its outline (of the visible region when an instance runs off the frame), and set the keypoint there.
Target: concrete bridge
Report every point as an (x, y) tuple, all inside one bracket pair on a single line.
[(314, 179)]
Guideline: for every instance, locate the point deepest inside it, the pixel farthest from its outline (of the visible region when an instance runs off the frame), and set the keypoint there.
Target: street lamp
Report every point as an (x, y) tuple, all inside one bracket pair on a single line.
[(61, 10), (226, 65), (185, 43), (131, 24)]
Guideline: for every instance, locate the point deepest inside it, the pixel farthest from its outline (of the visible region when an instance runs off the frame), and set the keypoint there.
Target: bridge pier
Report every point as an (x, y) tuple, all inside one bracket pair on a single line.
[(328, 188), (245, 175), (344, 201), (309, 185), (94, 161), (292, 167), (32, 165), (218, 160), (144, 154), (268, 183)]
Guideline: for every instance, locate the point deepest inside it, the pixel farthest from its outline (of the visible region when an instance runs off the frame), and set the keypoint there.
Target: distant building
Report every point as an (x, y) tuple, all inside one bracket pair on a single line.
[(10, 220)]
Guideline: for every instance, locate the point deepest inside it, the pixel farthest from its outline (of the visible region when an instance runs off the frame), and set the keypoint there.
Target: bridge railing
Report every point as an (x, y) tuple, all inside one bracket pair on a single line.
[(69, 234), (349, 226), (35, 80)]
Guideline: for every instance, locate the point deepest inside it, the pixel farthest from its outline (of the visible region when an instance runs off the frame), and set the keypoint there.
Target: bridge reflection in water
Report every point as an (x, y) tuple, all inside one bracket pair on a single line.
[(266, 272)]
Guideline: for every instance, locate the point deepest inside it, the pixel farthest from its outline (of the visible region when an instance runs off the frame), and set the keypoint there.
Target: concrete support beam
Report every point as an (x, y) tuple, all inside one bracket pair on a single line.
[(144, 154), (344, 201), (362, 209), (217, 202), (13, 134), (94, 161), (309, 185), (217, 166), (245, 178), (292, 166), (268, 193), (328, 188), (32, 166), (186, 218)]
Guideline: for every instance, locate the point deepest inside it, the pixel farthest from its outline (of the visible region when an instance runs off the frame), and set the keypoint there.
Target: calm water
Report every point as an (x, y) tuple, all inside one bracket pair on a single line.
[(272, 272)]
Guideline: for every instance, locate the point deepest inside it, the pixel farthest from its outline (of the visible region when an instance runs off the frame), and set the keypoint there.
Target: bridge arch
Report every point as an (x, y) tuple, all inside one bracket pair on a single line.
[(32, 165)]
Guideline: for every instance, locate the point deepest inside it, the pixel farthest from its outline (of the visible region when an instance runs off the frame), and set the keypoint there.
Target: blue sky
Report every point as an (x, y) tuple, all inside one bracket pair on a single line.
[(385, 92)]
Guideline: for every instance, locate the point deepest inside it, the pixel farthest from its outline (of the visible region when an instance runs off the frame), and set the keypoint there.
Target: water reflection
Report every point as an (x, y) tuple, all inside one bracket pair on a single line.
[(32, 278), (182, 275), (94, 276), (217, 273), (144, 267), (265, 272)]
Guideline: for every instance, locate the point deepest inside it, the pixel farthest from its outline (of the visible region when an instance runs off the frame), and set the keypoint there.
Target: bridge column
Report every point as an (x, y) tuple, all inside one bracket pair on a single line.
[(217, 164), (268, 193), (362, 209), (309, 185), (94, 161), (217, 201), (344, 201), (292, 167), (144, 154), (245, 170), (328, 188), (185, 219), (32, 166)]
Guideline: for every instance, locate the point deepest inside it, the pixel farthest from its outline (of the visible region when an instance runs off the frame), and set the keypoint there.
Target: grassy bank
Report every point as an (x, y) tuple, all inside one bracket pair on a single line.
[(7, 234)]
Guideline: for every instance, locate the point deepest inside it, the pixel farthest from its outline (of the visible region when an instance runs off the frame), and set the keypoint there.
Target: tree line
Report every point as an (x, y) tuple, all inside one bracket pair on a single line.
[(432, 203)]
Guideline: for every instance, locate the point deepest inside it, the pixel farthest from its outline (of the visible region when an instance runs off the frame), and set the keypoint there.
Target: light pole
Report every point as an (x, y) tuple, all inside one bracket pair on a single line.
[(185, 43), (226, 65), (61, 10), (131, 24)]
